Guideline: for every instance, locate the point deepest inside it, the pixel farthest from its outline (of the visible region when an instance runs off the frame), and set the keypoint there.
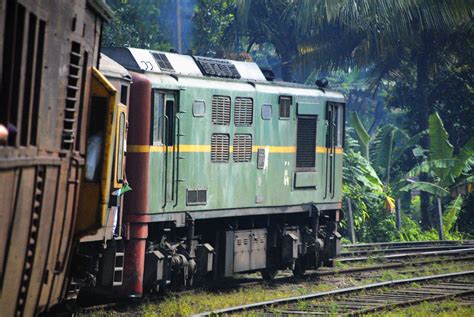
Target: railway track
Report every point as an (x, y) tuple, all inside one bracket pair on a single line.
[(373, 251), (363, 299), (409, 244), (456, 255)]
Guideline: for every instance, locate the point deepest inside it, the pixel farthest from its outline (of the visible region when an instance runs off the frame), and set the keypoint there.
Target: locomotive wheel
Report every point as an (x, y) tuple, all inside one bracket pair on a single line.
[(269, 274), (299, 269)]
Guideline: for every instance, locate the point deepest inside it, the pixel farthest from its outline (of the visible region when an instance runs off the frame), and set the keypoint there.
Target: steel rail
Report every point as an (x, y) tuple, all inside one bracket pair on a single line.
[(283, 301), (406, 243), (407, 255), (353, 253)]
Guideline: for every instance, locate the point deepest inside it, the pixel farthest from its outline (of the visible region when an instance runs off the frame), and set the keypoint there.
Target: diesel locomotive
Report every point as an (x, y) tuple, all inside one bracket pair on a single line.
[(231, 172)]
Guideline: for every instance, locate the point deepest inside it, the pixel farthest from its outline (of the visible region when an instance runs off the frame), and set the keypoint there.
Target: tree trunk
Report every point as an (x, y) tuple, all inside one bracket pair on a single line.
[(287, 67), (422, 67)]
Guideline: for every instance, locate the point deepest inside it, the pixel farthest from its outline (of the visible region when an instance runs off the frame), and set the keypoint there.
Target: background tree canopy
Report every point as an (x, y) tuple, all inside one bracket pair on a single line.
[(397, 61)]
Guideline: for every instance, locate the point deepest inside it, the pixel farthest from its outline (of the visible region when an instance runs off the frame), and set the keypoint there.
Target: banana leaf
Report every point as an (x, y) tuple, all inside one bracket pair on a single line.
[(451, 213), (465, 155), (414, 140), (362, 135), (383, 154), (440, 147), (432, 166), (426, 187)]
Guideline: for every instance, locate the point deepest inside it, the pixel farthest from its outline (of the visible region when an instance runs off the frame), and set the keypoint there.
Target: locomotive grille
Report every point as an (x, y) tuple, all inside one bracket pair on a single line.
[(306, 142), (163, 62), (220, 147), (242, 148), (243, 111), (196, 196), (221, 110), (216, 67)]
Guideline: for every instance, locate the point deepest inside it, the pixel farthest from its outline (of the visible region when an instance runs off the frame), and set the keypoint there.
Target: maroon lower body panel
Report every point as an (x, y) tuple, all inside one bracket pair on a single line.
[(135, 261)]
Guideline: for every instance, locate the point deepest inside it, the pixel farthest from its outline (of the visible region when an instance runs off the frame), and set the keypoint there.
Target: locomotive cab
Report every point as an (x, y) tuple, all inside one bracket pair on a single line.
[(99, 256)]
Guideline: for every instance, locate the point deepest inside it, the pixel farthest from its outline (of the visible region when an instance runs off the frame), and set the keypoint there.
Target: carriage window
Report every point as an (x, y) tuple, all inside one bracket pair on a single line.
[(340, 125), (285, 103), (267, 112), (158, 117), (124, 94), (199, 108), (120, 147), (95, 138)]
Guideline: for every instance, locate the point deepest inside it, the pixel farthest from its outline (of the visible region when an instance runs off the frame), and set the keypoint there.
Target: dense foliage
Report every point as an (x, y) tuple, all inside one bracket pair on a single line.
[(135, 24), (397, 61)]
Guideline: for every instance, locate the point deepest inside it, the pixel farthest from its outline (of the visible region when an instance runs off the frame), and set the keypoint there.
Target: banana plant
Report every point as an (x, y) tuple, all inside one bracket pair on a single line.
[(446, 170), (384, 147)]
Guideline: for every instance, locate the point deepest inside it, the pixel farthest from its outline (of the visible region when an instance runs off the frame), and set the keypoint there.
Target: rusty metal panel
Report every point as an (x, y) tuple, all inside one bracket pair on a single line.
[(17, 247), (40, 271), (7, 199)]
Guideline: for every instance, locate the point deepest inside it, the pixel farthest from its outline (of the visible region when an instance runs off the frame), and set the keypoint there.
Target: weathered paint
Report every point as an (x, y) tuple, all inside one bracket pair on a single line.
[(234, 184)]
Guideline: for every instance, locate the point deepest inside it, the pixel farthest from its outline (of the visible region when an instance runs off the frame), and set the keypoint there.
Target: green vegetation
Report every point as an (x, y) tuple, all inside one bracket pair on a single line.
[(448, 308), (200, 301), (405, 66)]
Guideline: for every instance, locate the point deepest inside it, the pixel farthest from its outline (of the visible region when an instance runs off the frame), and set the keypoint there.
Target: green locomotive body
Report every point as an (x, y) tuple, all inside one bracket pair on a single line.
[(231, 171)]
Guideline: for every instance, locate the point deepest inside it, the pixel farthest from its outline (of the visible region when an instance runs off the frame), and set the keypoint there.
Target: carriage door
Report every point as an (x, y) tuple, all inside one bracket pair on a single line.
[(334, 140), (306, 127), (166, 133)]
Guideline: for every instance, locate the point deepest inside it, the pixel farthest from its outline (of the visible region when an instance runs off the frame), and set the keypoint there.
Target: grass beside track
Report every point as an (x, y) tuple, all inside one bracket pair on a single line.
[(449, 308), (189, 303)]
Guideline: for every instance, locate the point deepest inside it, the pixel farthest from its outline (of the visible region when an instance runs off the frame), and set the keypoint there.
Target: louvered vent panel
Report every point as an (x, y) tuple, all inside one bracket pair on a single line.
[(243, 111), (220, 147), (71, 96), (162, 61), (196, 196), (306, 142), (242, 148), (216, 67), (221, 110)]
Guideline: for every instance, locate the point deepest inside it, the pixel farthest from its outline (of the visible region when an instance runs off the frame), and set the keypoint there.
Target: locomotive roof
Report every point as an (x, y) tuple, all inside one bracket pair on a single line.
[(192, 69), (113, 69)]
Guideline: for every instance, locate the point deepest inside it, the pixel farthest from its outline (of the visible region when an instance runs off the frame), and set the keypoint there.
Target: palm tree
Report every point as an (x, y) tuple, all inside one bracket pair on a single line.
[(385, 34)]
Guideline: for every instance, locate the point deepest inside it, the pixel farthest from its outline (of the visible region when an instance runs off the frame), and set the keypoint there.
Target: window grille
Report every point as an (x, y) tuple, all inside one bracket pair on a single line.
[(220, 148), (221, 110), (306, 142), (196, 196), (242, 148), (243, 111)]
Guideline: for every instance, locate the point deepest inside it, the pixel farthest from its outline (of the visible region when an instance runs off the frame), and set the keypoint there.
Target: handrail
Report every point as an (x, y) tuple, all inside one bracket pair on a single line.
[(177, 144), (333, 174), (165, 136)]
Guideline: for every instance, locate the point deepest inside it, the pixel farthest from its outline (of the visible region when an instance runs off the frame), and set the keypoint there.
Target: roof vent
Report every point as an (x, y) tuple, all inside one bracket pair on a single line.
[(216, 67), (268, 73), (162, 61)]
